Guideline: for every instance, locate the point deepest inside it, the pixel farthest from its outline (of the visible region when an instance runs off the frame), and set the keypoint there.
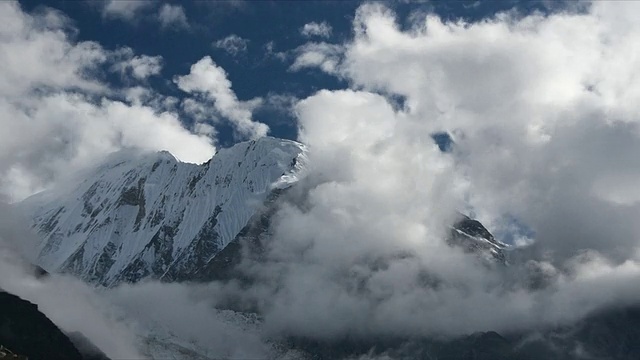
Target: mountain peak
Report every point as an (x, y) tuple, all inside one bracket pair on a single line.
[(142, 214)]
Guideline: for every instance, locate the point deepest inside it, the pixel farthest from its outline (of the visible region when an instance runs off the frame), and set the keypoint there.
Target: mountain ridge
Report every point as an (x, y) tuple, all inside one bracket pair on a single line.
[(153, 216)]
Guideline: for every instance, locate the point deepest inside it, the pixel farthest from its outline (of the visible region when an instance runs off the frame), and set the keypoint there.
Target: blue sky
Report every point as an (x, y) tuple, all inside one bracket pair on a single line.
[(266, 34)]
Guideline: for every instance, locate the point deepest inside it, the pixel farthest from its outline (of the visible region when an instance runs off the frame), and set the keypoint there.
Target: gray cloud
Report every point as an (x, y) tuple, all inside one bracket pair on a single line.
[(545, 126)]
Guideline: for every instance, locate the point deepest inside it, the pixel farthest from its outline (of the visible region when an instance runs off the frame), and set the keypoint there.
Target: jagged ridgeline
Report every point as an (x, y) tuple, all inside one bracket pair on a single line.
[(149, 215)]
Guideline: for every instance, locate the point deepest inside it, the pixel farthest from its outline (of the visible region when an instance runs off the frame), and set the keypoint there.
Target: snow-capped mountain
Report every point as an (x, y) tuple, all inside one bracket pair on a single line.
[(140, 215), (143, 215)]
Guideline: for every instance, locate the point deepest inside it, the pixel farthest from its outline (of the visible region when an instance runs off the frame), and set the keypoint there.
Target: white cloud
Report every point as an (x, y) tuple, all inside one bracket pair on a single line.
[(545, 118), (269, 49), (322, 55), (139, 67), (172, 16), (210, 80), (232, 44), (56, 117), (124, 10), (548, 103), (322, 29), (528, 102)]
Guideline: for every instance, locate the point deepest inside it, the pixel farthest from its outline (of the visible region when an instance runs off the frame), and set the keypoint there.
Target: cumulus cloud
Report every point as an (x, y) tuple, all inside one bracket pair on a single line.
[(210, 81), (311, 29), (318, 55), (172, 16), (544, 117), (232, 44), (544, 111), (57, 118)]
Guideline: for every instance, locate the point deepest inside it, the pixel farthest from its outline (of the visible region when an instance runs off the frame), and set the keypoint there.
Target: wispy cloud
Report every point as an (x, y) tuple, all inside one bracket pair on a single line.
[(232, 44), (311, 29), (172, 17), (125, 10)]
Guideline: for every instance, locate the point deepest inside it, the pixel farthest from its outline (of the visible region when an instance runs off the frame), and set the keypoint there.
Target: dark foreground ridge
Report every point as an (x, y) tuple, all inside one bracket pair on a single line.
[(28, 333)]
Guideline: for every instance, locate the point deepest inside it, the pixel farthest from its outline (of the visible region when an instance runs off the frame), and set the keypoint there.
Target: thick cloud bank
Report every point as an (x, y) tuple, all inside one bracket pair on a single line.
[(543, 112)]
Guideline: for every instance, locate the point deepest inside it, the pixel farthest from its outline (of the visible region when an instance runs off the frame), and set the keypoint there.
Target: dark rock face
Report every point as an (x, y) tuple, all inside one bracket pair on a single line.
[(7, 354), (203, 248), (473, 237), (39, 272), (26, 331), (248, 243)]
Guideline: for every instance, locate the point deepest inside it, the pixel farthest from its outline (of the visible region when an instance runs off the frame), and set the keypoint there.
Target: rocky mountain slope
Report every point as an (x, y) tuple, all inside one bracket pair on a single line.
[(149, 215), (473, 237)]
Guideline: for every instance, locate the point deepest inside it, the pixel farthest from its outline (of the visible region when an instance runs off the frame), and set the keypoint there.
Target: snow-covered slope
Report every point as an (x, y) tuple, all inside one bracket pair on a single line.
[(148, 215)]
